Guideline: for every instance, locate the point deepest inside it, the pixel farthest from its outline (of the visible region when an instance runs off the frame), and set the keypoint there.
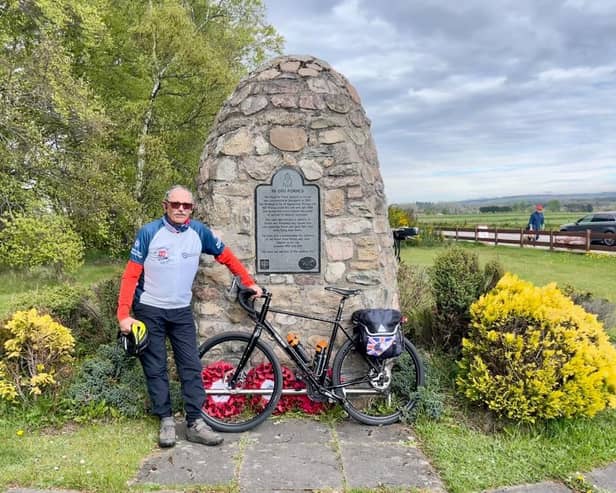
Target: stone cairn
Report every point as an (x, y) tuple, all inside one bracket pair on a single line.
[(296, 111)]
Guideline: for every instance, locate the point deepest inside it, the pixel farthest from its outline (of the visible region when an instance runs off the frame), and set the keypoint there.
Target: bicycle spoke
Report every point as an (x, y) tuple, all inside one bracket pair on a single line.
[(377, 393), (257, 388)]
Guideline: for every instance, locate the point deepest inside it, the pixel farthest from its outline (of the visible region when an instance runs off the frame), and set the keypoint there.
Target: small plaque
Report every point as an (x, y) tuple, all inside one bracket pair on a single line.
[(288, 226)]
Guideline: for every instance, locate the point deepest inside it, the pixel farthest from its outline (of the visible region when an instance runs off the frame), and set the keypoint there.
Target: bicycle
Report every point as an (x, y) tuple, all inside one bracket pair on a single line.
[(245, 378)]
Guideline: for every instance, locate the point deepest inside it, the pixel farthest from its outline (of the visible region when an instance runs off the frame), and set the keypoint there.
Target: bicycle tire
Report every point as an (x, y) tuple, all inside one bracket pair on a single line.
[(238, 412), (397, 393)]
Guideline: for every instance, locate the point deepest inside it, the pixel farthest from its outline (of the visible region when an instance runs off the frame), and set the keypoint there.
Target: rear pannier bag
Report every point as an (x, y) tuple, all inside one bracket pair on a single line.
[(379, 332)]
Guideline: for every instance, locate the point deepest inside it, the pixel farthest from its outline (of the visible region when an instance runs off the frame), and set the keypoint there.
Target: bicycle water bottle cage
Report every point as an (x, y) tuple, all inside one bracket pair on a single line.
[(378, 332)]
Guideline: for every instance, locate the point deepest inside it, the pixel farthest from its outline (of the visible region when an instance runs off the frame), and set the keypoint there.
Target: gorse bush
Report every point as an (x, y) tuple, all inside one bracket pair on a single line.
[(36, 352), (532, 354), (28, 242)]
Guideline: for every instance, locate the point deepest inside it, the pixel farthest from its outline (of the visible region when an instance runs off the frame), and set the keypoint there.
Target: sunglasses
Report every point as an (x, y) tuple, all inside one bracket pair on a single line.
[(187, 206)]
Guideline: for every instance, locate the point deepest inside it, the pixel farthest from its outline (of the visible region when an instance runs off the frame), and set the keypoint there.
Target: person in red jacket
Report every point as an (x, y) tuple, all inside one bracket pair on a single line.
[(157, 286)]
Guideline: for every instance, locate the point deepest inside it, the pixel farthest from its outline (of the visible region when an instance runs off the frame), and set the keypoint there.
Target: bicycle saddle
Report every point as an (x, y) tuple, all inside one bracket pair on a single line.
[(343, 291)]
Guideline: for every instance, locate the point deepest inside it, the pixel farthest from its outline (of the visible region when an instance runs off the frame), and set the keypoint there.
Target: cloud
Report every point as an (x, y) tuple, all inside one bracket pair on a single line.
[(473, 99)]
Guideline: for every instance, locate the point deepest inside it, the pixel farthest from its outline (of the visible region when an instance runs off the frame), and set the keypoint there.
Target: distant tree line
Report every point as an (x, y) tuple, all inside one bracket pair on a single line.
[(578, 207), (495, 208), (471, 207)]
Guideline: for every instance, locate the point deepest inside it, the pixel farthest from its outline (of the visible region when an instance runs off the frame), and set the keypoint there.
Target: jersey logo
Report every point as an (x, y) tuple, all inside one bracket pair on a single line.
[(162, 255)]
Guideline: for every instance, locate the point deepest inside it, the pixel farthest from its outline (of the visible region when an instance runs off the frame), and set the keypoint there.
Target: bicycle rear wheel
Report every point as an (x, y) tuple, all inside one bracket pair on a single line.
[(256, 392), (377, 395)]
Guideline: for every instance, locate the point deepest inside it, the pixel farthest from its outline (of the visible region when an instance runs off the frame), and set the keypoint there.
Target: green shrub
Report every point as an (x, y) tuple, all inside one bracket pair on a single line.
[(35, 356), (28, 242), (604, 309), (532, 354), (457, 281), (415, 297), (74, 307), (493, 271), (428, 236), (106, 296), (109, 381), (440, 374)]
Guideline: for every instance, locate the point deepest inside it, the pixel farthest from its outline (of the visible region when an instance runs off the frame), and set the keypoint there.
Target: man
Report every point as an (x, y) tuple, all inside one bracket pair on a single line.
[(157, 284), (535, 221)]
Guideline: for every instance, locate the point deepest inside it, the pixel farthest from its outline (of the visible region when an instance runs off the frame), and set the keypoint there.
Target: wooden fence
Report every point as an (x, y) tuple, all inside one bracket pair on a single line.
[(586, 241)]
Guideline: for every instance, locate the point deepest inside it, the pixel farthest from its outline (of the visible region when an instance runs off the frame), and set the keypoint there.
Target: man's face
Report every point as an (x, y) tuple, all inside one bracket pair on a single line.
[(178, 206)]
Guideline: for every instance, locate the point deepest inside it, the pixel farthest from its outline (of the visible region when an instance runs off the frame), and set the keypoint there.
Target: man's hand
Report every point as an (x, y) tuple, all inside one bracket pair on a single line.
[(257, 289), (126, 323)]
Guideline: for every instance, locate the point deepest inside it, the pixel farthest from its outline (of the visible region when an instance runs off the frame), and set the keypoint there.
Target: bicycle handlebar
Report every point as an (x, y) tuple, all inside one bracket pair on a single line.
[(246, 297)]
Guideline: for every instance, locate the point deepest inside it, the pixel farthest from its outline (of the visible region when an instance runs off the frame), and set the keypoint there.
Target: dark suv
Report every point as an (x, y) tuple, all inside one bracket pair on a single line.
[(601, 222)]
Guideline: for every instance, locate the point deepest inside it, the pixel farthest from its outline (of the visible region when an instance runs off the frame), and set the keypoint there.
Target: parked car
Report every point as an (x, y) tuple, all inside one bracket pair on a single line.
[(600, 222)]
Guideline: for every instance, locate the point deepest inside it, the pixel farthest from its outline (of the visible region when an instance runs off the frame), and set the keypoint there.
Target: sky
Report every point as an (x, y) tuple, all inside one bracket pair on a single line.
[(474, 98)]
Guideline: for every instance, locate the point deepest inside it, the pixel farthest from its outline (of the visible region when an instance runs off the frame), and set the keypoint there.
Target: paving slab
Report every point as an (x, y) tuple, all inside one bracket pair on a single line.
[(374, 457), (190, 464), (298, 431), (604, 478), (290, 455), (290, 467)]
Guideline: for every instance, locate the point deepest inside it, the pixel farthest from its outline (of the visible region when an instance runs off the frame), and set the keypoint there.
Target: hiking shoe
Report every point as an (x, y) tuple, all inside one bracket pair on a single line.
[(200, 432), (166, 436)]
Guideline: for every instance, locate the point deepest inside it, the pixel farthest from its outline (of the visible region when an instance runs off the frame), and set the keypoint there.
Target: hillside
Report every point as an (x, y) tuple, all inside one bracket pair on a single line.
[(573, 202)]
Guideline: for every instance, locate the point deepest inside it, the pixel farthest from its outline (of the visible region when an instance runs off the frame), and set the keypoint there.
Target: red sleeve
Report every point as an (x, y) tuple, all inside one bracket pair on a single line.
[(228, 258), (130, 277)]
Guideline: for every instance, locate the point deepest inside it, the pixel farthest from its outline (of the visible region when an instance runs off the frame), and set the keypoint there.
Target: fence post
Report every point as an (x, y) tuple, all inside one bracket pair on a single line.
[(457, 232), (588, 240), (521, 237), (495, 236), (476, 233), (551, 240)]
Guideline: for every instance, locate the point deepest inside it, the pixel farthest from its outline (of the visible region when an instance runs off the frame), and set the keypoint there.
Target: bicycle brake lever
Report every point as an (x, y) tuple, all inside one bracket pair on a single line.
[(233, 291)]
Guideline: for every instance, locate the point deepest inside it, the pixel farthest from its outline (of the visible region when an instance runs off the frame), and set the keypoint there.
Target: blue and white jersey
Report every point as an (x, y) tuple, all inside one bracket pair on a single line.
[(170, 258)]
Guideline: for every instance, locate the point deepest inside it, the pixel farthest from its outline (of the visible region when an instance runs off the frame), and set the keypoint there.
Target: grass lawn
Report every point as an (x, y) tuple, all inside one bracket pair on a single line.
[(469, 459), (94, 457), (594, 273)]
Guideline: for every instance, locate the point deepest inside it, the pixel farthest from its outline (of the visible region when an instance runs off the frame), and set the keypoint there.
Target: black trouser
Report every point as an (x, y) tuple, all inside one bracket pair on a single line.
[(177, 324)]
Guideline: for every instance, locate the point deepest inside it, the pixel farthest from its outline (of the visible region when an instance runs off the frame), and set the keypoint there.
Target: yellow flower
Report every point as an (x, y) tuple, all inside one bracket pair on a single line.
[(20, 433)]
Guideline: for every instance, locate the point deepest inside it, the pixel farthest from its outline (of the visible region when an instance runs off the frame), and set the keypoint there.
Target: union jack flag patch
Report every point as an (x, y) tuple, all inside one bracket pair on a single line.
[(375, 346)]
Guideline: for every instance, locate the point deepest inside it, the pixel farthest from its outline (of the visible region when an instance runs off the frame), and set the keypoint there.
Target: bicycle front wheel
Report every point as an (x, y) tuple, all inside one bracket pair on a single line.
[(239, 407), (377, 392)]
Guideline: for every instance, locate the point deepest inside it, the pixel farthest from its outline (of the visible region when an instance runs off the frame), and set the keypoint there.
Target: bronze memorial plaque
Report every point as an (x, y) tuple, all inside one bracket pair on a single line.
[(288, 226)]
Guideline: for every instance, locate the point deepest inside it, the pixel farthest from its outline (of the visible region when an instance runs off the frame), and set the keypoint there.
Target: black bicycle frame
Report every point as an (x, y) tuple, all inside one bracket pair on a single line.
[(262, 323)]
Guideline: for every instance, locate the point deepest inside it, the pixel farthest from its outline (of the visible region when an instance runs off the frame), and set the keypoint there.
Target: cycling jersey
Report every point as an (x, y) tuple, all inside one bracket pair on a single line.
[(163, 263)]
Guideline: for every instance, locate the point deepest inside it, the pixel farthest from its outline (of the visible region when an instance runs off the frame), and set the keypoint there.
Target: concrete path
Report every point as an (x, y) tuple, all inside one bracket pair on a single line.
[(297, 455), (302, 455)]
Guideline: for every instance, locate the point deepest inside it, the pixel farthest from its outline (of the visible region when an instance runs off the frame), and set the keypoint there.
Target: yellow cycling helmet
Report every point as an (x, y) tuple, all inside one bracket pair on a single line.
[(135, 342)]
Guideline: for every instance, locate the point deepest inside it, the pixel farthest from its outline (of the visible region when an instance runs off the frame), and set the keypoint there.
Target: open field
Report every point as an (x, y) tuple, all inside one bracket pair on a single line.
[(553, 220), (584, 272)]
